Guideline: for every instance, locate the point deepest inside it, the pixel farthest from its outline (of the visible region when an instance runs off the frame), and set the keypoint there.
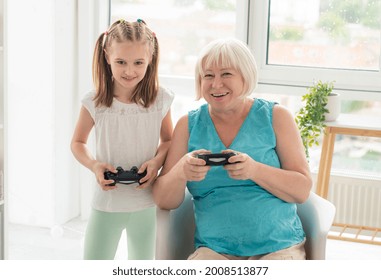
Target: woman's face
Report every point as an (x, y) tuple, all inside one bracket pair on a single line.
[(222, 87), (128, 62)]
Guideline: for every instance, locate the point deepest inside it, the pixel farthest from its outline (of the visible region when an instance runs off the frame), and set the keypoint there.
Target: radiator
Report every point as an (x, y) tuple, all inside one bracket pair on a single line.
[(357, 200)]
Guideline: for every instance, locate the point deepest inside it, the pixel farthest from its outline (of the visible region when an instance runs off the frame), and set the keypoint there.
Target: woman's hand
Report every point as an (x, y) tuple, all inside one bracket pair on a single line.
[(99, 168), (242, 166), (193, 168)]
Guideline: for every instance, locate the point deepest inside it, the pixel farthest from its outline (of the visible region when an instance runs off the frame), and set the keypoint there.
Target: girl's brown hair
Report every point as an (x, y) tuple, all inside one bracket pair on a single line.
[(146, 91)]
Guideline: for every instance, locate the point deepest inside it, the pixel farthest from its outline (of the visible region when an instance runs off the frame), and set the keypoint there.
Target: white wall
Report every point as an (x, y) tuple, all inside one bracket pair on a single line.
[(92, 21), (64, 66), (42, 77)]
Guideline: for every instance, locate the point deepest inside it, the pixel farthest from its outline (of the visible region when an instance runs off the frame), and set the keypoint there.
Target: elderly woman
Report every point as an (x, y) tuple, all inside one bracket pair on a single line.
[(244, 209)]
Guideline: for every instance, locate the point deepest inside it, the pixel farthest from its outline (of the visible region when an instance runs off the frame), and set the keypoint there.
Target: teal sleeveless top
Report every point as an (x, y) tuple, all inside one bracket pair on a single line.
[(238, 217)]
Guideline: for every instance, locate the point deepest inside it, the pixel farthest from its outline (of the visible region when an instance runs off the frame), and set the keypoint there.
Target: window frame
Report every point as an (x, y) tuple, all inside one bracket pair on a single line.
[(184, 85), (253, 28), (351, 84)]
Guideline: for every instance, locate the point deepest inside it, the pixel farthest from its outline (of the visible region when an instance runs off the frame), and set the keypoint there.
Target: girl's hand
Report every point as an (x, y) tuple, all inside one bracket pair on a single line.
[(242, 167), (99, 168), (193, 168), (152, 169)]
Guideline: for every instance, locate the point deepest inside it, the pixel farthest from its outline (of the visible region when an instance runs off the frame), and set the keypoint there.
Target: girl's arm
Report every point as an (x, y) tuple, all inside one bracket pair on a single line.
[(292, 182), (152, 166), (81, 152), (165, 141), (179, 167)]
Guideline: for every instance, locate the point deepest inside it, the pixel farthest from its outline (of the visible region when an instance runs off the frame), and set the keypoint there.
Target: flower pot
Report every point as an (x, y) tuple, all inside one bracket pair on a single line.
[(333, 106)]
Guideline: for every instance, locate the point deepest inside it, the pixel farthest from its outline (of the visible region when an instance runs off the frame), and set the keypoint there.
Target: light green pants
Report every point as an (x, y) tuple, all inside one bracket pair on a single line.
[(104, 230)]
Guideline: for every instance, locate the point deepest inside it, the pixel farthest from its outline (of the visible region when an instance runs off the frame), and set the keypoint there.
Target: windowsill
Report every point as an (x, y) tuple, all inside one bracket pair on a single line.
[(356, 121), (351, 174)]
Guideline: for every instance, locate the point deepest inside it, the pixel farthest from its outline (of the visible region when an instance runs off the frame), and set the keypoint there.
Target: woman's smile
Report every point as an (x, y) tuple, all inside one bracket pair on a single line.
[(218, 95)]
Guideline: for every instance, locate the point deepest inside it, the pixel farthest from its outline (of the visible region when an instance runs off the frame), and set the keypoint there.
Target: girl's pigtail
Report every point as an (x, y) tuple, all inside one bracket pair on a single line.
[(102, 75)]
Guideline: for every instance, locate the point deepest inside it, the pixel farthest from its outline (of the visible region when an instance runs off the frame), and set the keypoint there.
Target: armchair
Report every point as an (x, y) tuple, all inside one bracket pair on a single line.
[(175, 228)]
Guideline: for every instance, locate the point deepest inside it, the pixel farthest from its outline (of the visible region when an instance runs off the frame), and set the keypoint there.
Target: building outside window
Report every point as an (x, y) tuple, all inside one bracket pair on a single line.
[(341, 38), (326, 34)]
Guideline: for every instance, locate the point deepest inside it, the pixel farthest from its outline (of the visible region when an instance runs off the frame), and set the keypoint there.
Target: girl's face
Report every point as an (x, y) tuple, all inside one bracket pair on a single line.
[(222, 87), (128, 61)]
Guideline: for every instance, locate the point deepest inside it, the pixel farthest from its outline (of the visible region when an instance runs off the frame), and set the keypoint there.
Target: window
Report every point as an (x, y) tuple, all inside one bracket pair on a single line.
[(294, 41), (183, 27), (299, 41), (327, 34)]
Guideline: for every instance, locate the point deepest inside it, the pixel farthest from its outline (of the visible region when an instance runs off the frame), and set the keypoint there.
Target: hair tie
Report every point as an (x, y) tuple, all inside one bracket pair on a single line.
[(121, 20), (139, 20), (105, 33)]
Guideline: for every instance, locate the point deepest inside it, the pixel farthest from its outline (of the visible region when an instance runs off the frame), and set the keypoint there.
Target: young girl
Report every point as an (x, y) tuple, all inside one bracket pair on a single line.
[(133, 127)]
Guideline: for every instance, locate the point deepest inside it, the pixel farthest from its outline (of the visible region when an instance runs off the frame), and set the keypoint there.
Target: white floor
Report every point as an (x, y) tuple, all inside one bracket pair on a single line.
[(66, 243)]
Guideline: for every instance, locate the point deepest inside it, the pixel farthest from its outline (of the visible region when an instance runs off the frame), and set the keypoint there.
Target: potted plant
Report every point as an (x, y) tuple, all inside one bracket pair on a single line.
[(317, 110)]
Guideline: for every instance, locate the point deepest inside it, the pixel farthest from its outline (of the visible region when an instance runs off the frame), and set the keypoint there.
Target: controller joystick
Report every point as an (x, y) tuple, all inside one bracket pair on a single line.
[(125, 177), (216, 159)]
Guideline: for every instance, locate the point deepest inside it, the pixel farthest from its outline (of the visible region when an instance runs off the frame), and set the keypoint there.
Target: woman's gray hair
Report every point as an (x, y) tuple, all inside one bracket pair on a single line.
[(228, 53)]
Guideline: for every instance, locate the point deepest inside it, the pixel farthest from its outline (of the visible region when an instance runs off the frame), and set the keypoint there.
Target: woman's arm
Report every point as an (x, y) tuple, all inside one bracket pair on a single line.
[(179, 167), (292, 182)]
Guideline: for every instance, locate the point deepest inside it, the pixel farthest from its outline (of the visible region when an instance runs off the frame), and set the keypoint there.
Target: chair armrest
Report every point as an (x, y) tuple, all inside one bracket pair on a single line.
[(175, 231), (317, 216)]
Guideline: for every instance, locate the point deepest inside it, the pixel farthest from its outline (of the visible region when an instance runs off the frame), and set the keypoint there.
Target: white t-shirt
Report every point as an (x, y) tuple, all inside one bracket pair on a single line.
[(126, 135)]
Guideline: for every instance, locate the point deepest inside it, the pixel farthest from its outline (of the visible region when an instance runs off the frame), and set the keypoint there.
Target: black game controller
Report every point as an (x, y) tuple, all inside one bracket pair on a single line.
[(216, 159), (125, 177)]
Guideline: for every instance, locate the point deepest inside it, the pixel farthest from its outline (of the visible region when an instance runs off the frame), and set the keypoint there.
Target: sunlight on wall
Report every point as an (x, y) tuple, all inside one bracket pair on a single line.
[(40, 109), (30, 112)]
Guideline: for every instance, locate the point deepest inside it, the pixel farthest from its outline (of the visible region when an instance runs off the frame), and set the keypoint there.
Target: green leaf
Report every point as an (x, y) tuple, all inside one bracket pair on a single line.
[(310, 118)]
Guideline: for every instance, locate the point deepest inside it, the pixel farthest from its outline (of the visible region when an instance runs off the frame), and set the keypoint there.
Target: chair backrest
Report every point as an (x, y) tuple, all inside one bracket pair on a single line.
[(175, 228)]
